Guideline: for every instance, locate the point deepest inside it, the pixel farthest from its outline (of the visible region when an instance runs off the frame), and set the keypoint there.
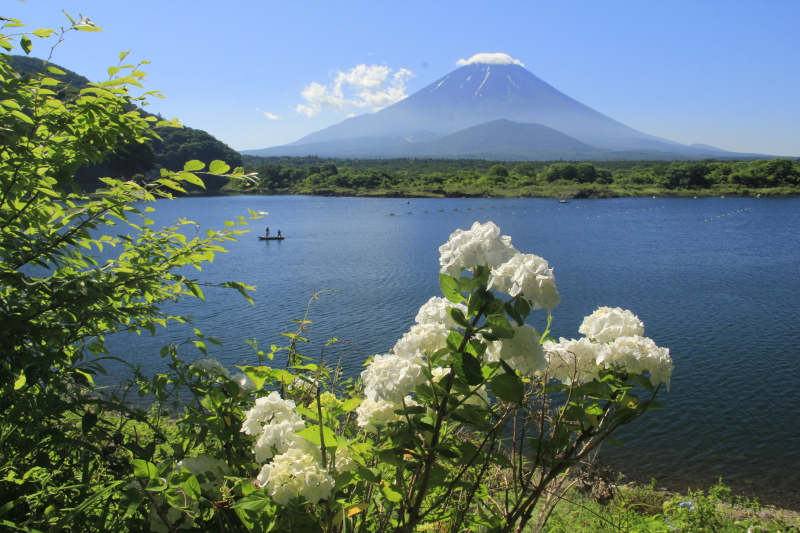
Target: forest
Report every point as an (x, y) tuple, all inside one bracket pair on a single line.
[(468, 177)]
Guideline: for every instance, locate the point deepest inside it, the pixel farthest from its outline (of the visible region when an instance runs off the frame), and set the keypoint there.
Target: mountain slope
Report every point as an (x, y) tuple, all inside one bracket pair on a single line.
[(479, 93)]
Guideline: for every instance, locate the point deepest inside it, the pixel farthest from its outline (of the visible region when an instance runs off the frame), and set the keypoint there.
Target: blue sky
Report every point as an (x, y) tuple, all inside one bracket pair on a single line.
[(723, 73)]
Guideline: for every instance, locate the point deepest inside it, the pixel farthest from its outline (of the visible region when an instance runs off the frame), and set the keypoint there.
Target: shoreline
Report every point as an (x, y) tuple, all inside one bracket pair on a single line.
[(583, 194), (782, 495)]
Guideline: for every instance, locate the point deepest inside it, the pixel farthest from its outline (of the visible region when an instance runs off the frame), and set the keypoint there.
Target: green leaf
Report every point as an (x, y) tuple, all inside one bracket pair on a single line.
[(593, 409), (258, 375), (368, 475), (508, 388), (391, 492), (258, 501), (614, 442), (194, 164), (20, 382), (191, 178), (477, 300), (130, 500), (468, 368), (191, 487), (26, 44), (144, 469), (22, 116), (112, 70), (218, 167), (458, 316), (56, 70), (313, 434), (500, 326), (454, 340), (450, 288), (43, 32)]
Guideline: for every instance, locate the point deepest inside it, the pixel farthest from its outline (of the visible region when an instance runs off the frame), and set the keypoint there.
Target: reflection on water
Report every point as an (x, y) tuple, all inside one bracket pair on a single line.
[(715, 280)]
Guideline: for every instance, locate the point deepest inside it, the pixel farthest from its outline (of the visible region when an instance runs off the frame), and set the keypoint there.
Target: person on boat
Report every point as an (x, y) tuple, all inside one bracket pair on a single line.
[(279, 233), (267, 231)]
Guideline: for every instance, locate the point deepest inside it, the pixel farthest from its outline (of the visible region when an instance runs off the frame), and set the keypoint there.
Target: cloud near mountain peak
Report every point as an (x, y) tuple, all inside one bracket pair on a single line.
[(498, 58), (373, 86)]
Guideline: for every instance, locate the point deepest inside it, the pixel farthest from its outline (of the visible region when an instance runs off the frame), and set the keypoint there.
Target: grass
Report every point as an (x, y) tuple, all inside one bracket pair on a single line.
[(637, 509)]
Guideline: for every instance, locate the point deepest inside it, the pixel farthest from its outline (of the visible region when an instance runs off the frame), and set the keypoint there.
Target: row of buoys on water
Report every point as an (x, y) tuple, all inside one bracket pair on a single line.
[(490, 207), (728, 214), (627, 212)]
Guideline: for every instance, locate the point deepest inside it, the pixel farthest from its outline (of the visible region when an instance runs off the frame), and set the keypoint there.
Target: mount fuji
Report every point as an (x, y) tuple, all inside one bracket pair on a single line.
[(492, 109)]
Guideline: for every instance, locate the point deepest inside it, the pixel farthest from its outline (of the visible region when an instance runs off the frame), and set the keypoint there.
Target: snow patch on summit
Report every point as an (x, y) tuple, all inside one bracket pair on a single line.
[(486, 58), (484, 81)]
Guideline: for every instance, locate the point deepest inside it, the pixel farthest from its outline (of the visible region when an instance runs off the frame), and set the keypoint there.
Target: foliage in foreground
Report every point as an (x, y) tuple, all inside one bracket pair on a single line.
[(63, 290), (470, 422)]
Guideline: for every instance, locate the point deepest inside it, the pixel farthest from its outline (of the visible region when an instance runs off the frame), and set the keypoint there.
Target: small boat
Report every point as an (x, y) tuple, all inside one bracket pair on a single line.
[(563, 199), (271, 238)]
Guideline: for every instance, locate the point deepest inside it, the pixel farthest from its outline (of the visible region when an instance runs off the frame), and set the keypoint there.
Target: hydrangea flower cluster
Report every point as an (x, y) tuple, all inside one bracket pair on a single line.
[(370, 411), (210, 368), (203, 464), (421, 339), (481, 245), (390, 377), (523, 352), (434, 311), (275, 422), (297, 472), (613, 339), (529, 275), (244, 381), (607, 324), (513, 273), (296, 467)]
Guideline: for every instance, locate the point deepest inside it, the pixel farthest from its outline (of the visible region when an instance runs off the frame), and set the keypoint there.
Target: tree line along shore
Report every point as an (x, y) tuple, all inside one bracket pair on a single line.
[(480, 178)]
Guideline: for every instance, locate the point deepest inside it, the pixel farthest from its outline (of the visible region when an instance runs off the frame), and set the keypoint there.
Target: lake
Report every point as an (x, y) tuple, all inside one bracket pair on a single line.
[(716, 280)]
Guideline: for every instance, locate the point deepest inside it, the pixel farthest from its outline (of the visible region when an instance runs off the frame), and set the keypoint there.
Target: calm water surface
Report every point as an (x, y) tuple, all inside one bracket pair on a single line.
[(715, 280)]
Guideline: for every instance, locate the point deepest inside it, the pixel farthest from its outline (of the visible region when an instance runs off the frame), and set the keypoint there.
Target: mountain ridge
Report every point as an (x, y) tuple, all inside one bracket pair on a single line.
[(477, 94)]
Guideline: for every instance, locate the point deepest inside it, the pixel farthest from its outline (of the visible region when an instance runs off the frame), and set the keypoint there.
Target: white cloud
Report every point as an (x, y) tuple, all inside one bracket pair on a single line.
[(362, 86), (271, 116), (491, 59)]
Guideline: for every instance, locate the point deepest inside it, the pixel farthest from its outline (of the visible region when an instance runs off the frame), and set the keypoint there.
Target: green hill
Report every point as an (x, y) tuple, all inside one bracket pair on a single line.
[(177, 145)]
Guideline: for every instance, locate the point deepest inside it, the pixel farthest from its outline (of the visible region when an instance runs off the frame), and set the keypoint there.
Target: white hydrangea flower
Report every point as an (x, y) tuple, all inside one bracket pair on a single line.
[(210, 368), (576, 361), (606, 324), (381, 411), (638, 355), (277, 437), (523, 352), (296, 472), (344, 461), (390, 377), (424, 338), (481, 245), (527, 274), (265, 410), (203, 464), (275, 422), (434, 311), (244, 381)]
